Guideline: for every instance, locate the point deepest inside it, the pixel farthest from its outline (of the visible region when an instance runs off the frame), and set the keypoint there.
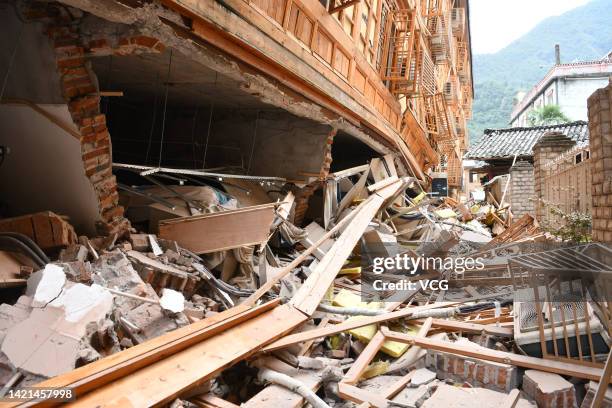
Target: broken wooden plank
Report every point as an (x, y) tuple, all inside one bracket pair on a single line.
[(354, 192), (165, 379), (359, 396), (263, 289), (472, 328), (602, 387), (452, 325), (382, 183), (349, 172), (312, 291), (364, 359), (211, 401), (414, 353), (221, 230), (348, 325), (118, 365)]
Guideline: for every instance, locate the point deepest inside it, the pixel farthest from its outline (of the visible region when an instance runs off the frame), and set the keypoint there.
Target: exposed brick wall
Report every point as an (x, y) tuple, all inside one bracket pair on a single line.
[(79, 88), (478, 373), (301, 202), (522, 189), (549, 390), (549, 147), (600, 140)]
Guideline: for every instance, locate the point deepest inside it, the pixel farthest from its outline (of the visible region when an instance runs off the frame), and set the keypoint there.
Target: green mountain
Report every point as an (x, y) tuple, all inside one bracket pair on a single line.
[(583, 33)]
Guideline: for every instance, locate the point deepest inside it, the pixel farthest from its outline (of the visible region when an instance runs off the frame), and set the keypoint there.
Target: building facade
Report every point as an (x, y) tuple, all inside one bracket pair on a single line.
[(566, 85), (270, 88)]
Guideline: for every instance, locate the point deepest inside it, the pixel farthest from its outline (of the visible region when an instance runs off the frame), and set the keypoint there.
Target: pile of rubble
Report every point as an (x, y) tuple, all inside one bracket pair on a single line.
[(224, 299)]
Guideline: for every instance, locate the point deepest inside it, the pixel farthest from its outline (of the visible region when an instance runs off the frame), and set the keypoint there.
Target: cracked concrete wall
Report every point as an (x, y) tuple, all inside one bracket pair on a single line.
[(268, 143)]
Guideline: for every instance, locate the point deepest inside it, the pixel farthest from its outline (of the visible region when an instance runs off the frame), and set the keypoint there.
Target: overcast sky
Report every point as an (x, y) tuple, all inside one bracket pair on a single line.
[(496, 23)]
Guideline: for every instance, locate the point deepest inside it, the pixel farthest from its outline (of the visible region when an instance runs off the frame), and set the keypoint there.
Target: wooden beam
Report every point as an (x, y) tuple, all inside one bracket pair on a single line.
[(211, 401), (551, 366), (602, 387), (334, 9), (410, 356), (359, 396), (251, 300), (472, 328), (348, 325), (164, 380), (364, 359), (118, 365)]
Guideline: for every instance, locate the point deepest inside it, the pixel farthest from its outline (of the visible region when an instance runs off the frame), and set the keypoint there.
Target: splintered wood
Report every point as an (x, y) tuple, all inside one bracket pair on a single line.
[(312, 291), (165, 379)]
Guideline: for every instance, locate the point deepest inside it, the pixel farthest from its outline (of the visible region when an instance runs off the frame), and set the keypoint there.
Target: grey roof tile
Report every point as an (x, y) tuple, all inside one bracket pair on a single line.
[(505, 143)]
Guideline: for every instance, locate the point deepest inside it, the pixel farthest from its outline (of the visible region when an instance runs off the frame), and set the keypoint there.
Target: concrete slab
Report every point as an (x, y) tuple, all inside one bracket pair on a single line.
[(448, 396), (422, 376)]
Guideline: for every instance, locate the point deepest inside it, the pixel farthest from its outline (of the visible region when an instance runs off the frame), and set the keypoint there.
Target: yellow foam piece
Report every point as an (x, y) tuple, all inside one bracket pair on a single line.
[(446, 213), (375, 369), (364, 333), (345, 298), (350, 271), (395, 348), (348, 299), (419, 198)]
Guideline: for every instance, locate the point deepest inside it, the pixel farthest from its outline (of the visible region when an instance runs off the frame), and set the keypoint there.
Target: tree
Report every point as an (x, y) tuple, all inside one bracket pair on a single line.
[(547, 115)]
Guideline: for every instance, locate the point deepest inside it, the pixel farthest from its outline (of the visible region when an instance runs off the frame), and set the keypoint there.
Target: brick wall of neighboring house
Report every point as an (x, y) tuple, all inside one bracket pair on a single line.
[(79, 88), (600, 140), (522, 189), (549, 147)]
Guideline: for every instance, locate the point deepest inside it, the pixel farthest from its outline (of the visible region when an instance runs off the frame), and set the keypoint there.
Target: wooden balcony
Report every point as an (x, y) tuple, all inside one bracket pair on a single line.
[(328, 58)]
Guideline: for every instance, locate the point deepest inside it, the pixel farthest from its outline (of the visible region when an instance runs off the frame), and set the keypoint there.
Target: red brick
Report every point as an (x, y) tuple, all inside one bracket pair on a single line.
[(70, 62), (113, 213), (144, 41), (95, 153)]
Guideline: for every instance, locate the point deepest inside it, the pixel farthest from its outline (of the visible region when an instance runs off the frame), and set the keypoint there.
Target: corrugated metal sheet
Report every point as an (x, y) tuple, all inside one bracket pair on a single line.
[(505, 143)]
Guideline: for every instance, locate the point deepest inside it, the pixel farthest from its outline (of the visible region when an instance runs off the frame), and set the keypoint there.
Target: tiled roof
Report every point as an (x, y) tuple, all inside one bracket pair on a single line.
[(505, 143)]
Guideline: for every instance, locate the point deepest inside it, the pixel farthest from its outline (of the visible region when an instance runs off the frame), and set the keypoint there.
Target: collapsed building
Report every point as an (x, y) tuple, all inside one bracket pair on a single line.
[(196, 192), (227, 86)]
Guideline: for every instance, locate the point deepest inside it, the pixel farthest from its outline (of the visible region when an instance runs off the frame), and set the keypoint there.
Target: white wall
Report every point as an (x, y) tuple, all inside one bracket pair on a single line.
[(573, 95), (44, 170)]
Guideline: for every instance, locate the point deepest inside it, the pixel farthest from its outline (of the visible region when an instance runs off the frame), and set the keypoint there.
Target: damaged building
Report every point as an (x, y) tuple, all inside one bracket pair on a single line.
[(196, 195), (209, 86)]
